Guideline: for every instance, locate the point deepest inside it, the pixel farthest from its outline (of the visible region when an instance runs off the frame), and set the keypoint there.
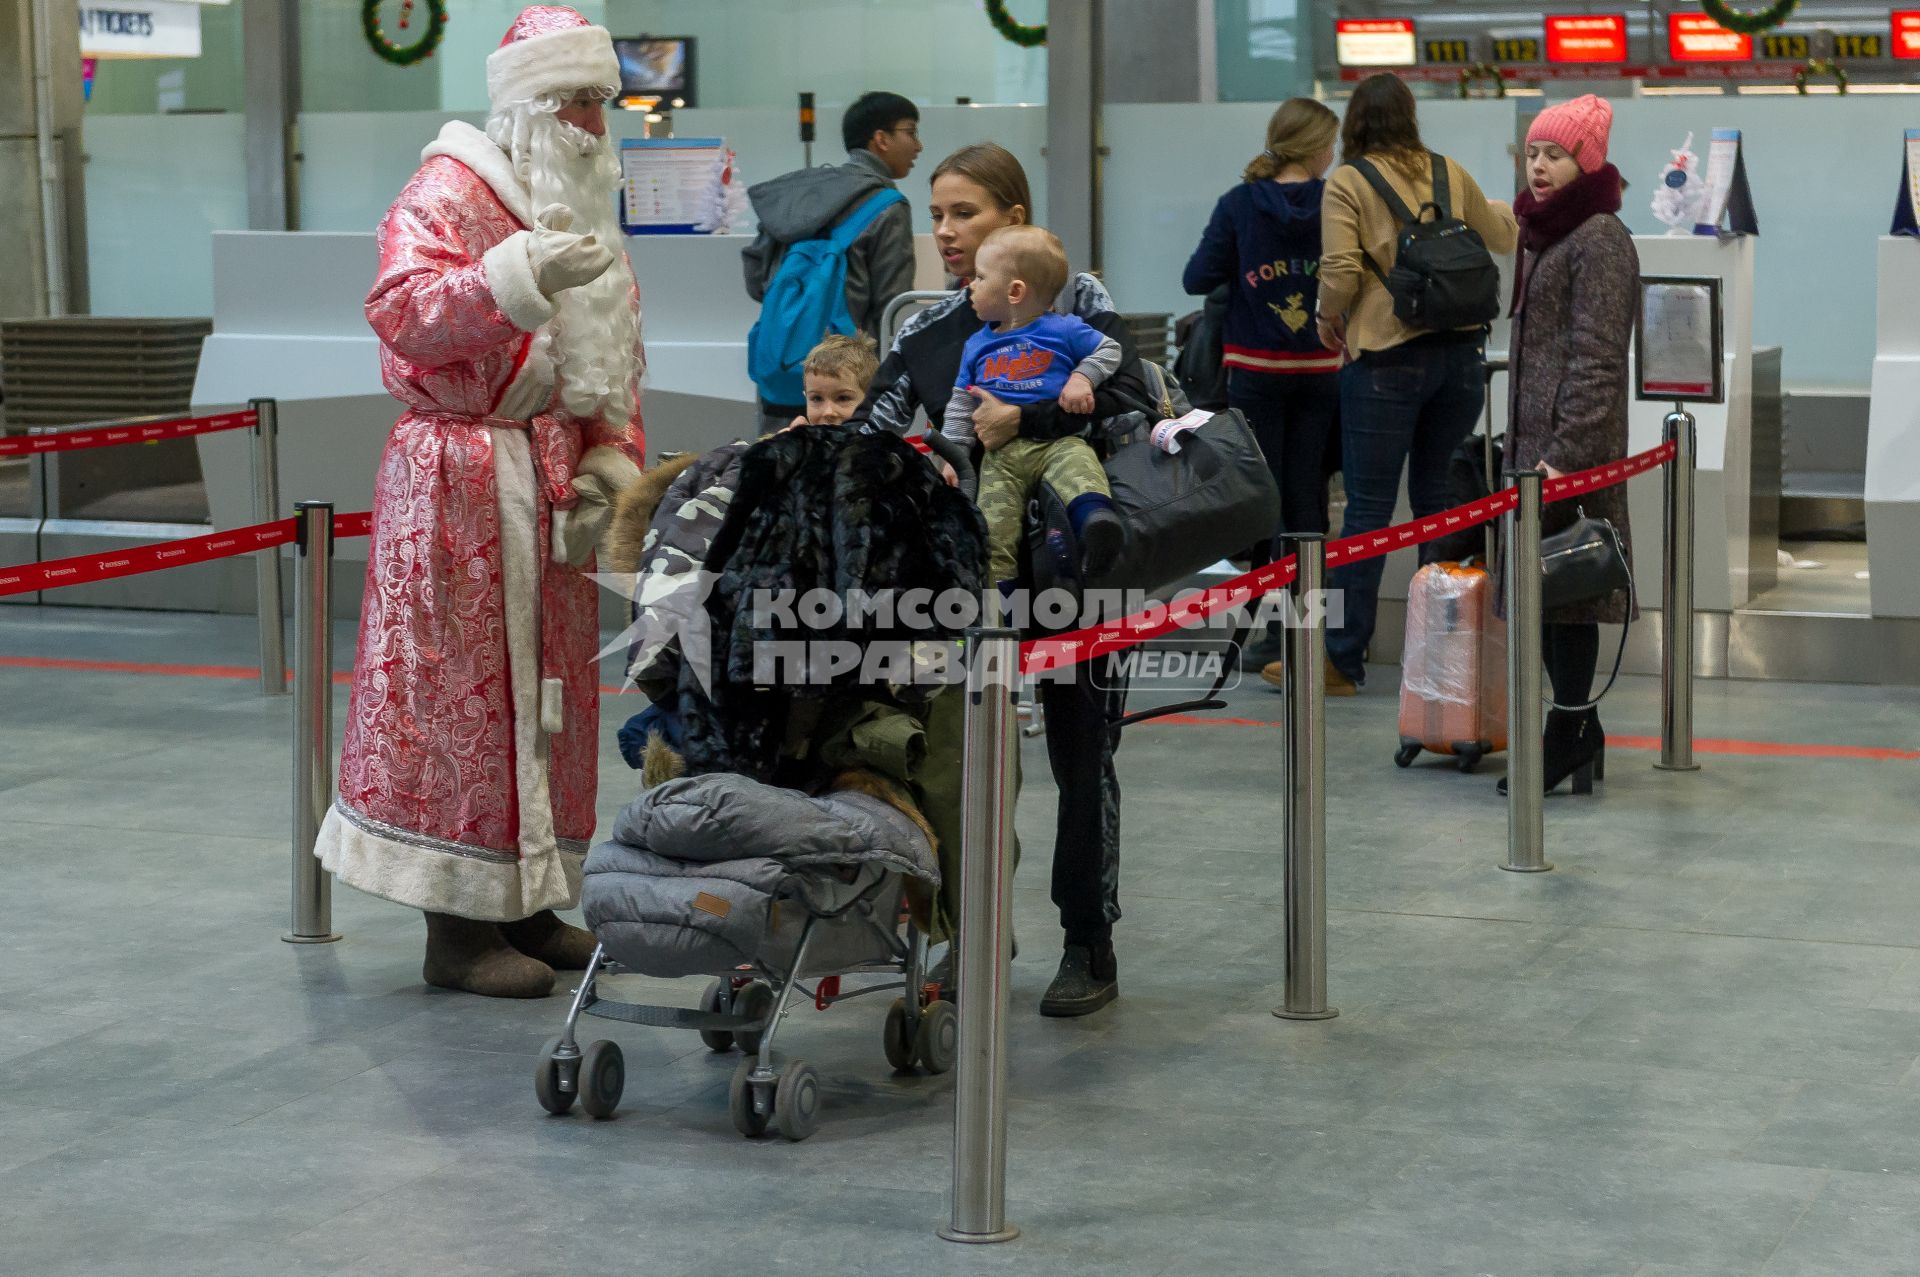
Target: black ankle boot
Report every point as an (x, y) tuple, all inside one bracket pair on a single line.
[(1088, 979), (1570, 746)]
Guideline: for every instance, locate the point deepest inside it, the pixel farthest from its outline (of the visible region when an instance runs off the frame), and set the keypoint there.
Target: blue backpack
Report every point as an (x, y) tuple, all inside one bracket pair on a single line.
[(806, 300)]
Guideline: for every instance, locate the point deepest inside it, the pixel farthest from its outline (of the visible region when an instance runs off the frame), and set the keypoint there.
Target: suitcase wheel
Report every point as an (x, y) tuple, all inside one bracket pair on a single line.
[(1408, 751), (1467, 757)]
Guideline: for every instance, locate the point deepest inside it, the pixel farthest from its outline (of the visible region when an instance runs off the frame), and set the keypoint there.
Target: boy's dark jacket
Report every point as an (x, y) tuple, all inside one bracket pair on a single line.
[(1263, 240)]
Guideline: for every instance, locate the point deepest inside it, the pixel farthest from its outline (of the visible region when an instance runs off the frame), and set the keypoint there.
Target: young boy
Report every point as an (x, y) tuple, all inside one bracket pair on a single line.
[(835, 376), (1025, 353)]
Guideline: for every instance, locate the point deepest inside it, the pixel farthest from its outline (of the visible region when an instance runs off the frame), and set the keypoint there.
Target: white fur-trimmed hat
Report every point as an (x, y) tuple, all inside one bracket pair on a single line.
[(550, 49)]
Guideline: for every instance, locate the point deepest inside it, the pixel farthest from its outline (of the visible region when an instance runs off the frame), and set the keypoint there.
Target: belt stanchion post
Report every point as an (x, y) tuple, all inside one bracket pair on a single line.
[(985, 941), (1526, 768), (1676, 602), (1305, 695), (312, 721), (266, 504)]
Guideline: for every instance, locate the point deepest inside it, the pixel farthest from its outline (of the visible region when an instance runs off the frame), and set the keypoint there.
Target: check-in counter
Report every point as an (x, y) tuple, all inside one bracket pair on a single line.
[(1893, 435), (1737, 482)]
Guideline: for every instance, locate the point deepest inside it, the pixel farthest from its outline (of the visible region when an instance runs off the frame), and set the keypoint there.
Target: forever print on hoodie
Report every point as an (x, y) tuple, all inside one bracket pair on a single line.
[(1264, 240)]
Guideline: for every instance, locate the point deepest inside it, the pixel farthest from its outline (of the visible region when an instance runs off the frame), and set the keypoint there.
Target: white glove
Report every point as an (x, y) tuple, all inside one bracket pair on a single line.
[(587, 521), (561, 259)]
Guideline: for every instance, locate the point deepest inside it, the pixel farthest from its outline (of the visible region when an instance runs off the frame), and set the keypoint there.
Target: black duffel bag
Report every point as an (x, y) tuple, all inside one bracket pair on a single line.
[(1189, 509), (1184, 510)]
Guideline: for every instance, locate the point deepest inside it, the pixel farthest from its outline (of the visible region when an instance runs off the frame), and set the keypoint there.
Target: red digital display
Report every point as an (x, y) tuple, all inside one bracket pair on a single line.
[(1694, 37), (1374, 42), (1906, 33), (1587, 38)]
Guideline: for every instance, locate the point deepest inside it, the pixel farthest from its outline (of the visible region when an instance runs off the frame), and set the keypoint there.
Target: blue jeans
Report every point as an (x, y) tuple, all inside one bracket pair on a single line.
[(1408, 407)]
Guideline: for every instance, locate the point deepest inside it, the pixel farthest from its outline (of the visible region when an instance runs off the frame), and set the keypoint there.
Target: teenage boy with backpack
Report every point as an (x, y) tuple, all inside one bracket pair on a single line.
[(855, 225)]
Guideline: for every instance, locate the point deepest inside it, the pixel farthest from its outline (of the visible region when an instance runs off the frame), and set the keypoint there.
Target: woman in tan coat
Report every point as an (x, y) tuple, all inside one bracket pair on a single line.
[(1408, 396), (1572, 327)]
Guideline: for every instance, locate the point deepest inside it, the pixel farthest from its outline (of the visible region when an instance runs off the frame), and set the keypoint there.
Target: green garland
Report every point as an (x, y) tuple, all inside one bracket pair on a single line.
[(1021, 34), (404, 55), (1749, 23), (1820, 66), (1483, 71)]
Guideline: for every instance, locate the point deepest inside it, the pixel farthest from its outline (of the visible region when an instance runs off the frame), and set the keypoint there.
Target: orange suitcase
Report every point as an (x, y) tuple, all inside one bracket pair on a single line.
[(1453, 670)]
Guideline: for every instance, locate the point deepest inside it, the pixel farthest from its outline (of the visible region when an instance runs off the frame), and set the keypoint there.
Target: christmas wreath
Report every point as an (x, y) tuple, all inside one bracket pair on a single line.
[(1019, 32), (1749, 23), (398, 54), (1483, 71), (1820, 66)]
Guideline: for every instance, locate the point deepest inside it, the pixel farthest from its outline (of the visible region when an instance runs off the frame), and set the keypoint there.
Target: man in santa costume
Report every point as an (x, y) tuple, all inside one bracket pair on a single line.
[(509, 325)]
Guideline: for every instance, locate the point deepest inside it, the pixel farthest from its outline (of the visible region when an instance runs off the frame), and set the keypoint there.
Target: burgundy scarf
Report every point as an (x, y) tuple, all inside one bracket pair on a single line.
[(1544, 223)]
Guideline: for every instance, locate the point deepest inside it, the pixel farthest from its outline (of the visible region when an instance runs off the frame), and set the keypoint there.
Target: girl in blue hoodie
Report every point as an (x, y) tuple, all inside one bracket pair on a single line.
[(1263, 243)]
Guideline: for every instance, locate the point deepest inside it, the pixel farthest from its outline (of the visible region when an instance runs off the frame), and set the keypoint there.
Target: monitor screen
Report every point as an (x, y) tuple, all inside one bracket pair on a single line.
[(657, 66)]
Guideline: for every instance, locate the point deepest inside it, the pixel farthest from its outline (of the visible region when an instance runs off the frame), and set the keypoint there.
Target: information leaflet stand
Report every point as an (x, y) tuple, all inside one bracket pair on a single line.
[(1679, 343)]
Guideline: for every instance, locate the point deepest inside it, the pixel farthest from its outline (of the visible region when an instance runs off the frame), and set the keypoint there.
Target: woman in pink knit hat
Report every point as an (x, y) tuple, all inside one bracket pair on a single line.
[(1573, 303)]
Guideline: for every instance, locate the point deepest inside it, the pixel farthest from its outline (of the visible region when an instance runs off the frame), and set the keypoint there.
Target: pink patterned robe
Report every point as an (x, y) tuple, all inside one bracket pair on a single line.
[(453, 797)]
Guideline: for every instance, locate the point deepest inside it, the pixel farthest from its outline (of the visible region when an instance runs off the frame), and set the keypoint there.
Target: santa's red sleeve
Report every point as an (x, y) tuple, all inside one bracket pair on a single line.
[(436, 302)]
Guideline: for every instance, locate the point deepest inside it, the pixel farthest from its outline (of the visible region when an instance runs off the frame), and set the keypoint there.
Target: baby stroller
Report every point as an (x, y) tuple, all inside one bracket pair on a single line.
[(672, 894)]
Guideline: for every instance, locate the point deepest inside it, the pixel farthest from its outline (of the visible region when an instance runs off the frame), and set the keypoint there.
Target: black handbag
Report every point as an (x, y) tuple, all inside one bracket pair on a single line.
[(1582, 562)]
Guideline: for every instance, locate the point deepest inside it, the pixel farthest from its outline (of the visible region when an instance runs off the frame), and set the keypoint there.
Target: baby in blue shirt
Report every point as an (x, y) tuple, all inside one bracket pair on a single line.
[(1025, 353)]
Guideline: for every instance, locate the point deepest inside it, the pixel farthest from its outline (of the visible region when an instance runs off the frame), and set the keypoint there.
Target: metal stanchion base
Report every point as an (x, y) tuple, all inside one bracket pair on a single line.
[(1284, 1014), (1528, 869), (948, 1233), (1676, 767), (291, 938)]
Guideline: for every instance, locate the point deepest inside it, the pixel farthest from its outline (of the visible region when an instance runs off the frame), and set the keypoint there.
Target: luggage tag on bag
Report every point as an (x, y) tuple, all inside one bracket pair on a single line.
[(553, 714), (1166, 435)]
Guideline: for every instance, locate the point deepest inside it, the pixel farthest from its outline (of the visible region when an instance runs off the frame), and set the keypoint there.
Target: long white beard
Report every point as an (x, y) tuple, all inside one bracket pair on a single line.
[(596, 326)]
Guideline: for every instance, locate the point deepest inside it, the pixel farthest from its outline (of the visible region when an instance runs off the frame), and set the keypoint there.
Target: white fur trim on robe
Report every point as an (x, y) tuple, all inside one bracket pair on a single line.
[(541, 875), (461, 141)]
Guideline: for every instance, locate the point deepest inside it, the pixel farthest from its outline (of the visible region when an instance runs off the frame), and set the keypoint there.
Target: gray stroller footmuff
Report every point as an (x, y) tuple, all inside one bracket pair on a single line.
[(694, 879), (759, 887)]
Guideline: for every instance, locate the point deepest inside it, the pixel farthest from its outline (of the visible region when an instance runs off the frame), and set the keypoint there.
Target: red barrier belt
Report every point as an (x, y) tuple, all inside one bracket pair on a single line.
[(131, 432), (1040, 655), (84, 569), (353, 525)]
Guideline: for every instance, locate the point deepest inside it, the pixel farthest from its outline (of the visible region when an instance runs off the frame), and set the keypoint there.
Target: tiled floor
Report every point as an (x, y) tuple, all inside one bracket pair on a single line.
[(1692, 1049)]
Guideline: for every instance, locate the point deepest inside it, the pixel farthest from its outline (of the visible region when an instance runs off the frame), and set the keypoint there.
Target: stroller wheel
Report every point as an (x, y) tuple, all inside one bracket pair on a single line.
[(754, 1002), (937, 1044), (717, 1000), (747, 1120), (546, 1080), (897, 1038), (603, 1075), (796, 1101)]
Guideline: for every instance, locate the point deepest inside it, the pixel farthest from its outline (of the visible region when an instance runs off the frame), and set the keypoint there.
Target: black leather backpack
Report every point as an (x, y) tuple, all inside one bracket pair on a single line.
[(1443, 276)]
